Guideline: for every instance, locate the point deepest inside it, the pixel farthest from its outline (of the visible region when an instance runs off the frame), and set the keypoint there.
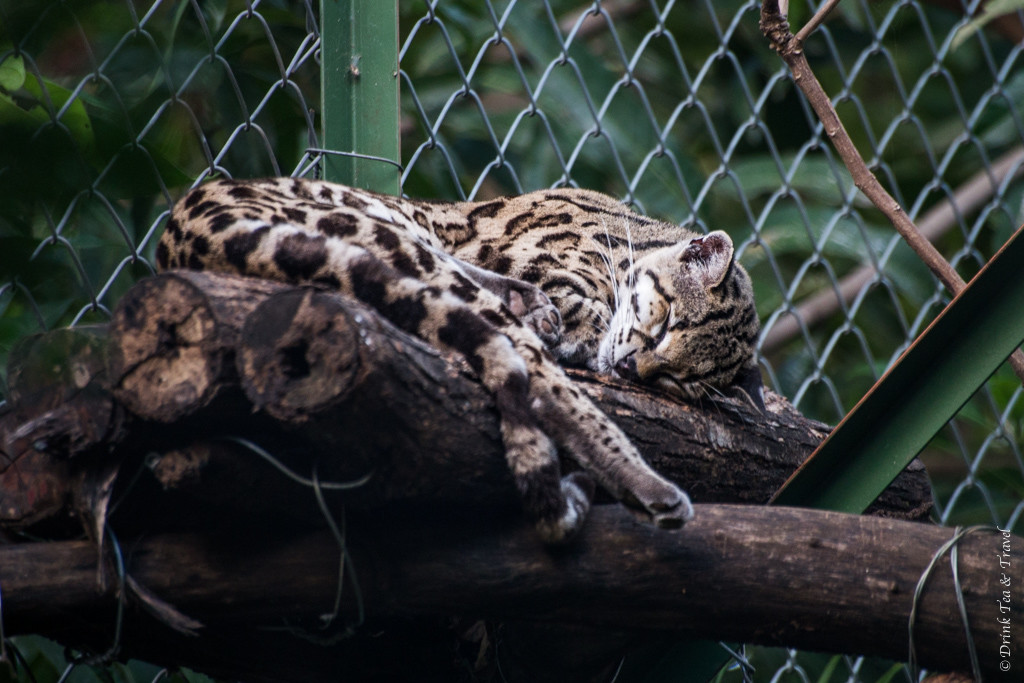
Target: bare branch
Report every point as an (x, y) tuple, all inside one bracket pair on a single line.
[(776, 29), (944, 215), (815, 21)]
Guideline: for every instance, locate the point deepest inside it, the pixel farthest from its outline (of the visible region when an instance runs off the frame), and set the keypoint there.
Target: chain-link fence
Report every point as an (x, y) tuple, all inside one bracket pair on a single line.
[(109, 111)]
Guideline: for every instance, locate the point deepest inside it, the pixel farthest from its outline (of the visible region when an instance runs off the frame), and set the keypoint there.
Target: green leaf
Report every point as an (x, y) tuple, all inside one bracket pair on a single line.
[(991, 10), (13, 115), (826, 674), (46, 95), (889, 675), (12, 73)]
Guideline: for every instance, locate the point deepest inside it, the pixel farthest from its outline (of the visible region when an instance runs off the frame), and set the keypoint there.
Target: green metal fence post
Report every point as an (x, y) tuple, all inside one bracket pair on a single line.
[(359, 92)]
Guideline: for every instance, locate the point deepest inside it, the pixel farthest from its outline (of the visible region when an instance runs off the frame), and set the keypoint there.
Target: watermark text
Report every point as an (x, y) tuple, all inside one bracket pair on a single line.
[(1004, 601)]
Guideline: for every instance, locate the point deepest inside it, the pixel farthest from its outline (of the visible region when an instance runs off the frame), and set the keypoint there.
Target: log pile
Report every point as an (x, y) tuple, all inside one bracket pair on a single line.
[(220, 424)]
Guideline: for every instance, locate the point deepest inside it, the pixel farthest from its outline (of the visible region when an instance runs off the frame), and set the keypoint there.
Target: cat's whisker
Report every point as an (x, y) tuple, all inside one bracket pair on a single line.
[(631, 255), (709, 389), (609, 262)]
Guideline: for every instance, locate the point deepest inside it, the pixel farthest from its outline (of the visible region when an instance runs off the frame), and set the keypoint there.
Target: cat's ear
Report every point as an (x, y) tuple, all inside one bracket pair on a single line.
[(708, 257)]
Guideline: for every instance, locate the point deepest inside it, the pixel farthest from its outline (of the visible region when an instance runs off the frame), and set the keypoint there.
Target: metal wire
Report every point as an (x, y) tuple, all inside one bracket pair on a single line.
[(345, 562), (355, 155), (346, 568), (740, 661), (313, 483), (3, 638), (110, 654), (950, 546)]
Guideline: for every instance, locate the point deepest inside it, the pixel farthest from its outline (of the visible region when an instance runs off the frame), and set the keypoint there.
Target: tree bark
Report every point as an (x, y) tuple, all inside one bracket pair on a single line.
[(777, 576)]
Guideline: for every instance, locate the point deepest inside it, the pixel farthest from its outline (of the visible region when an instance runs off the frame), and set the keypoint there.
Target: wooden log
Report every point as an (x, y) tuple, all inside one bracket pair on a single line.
[(45, 370), (388, 403), (56, 382), (344, 392), (392, 404), (300, 353), (775, 576), (724, 451), (173, 340)]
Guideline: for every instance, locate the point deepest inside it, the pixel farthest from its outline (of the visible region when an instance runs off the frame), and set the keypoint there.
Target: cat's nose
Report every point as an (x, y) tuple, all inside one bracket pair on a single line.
[(625, 367)]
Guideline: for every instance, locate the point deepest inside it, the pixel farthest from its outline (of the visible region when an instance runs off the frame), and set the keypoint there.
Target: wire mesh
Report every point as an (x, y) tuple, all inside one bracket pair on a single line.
[(110, 111)]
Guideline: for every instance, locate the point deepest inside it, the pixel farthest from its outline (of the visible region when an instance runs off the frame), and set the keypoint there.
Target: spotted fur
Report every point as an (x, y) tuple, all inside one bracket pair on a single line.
[(502, 282)]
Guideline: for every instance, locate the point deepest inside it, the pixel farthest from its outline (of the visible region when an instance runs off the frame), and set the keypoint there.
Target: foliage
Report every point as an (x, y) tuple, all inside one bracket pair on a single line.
[(988, 12), (106, 117), (32, 659)]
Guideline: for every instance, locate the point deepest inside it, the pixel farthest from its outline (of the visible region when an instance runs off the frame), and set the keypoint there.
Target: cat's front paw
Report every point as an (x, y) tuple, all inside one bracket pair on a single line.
[(661, 502), (535, 310)]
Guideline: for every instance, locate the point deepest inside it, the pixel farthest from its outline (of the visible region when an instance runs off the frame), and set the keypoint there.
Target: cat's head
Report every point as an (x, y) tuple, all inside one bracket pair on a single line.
[(686, 321)]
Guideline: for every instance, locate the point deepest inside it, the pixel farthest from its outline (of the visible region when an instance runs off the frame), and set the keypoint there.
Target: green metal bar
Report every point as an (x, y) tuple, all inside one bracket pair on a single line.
[(359, 92), (920, 393)]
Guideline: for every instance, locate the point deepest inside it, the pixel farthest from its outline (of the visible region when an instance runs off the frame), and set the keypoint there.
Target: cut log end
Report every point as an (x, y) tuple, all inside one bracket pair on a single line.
[(299, 354), (168, 363)]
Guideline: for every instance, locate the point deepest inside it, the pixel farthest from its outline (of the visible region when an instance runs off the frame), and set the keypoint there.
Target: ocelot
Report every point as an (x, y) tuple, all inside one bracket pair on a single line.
[(511, 284)]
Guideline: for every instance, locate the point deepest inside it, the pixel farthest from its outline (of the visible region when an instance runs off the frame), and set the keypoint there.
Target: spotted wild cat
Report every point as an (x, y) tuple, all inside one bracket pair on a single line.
[(572, 272)]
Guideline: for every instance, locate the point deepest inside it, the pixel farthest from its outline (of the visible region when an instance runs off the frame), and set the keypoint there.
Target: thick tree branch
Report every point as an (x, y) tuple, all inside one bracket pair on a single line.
[(193, 355), (778, 576)]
